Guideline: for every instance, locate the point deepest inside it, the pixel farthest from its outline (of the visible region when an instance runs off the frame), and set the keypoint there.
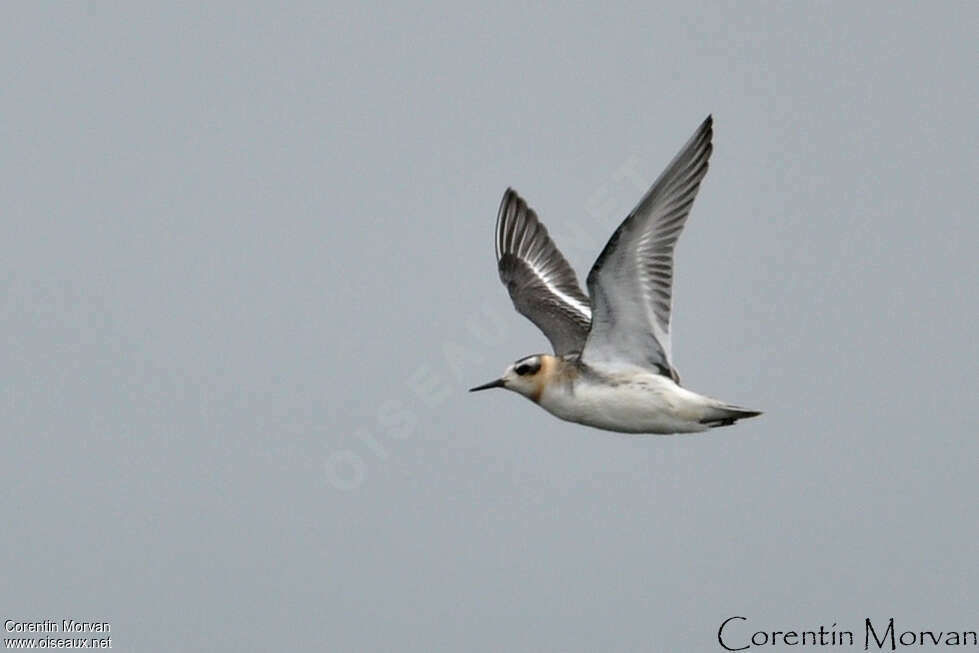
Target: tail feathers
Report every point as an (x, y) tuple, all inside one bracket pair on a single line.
[(726, 415)]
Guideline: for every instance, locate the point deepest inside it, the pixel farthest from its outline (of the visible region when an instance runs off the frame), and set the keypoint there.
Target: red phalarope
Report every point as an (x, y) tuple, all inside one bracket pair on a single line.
[(612, 366)]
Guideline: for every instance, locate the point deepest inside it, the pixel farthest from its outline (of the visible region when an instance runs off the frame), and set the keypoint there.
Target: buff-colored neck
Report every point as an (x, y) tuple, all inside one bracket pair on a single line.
[(553, 370)]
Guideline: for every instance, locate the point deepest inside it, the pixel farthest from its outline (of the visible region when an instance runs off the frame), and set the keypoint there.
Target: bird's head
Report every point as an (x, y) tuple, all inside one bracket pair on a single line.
[(526, 376)]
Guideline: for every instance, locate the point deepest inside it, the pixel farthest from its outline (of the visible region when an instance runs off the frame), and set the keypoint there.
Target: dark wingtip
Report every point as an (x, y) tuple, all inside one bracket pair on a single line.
[(707, 128)]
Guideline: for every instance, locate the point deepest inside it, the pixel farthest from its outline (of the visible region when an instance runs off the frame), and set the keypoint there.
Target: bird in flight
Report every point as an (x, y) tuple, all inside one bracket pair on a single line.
[(612, 366)]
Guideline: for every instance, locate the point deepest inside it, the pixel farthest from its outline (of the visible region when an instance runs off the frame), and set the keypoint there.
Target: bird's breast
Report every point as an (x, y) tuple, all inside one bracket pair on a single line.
[(642, 403)]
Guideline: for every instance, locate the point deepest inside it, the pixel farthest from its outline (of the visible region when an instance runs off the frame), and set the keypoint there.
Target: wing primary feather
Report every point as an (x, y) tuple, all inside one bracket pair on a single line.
[(541, 284), (631, 283)]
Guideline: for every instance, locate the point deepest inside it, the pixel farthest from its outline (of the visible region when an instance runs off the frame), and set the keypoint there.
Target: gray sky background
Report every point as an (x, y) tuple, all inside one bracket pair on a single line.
[(248, 275)]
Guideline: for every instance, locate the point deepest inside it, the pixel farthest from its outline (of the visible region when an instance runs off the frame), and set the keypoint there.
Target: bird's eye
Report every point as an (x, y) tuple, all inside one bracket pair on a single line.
[(531, 366)]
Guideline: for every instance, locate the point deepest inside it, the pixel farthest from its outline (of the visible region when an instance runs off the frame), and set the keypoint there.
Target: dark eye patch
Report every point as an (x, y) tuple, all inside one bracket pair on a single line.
[(529, 367)]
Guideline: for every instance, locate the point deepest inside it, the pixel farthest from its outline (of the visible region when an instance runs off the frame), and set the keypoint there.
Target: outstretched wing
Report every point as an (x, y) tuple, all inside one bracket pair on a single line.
[(541, 284), (631, 283)]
